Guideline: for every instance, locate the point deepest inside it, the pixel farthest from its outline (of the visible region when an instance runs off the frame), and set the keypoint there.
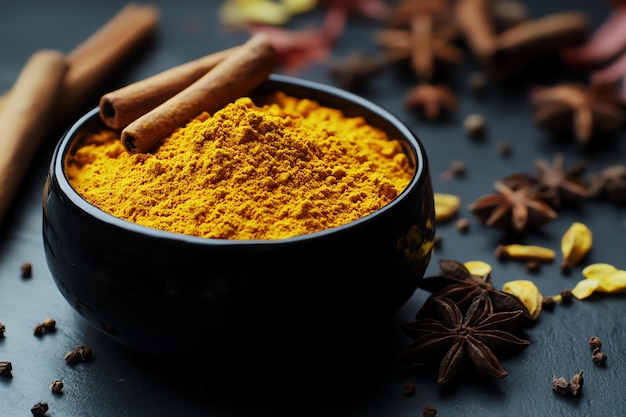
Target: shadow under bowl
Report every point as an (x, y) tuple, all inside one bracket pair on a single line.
[(161, 293)]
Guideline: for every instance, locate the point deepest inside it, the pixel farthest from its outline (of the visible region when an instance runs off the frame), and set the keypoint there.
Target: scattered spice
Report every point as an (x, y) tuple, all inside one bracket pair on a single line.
[(434, 101), (454, 338), (6, 368), (39, 409), (352, 72), (27, 270), (563, 387), (610, 183), (503, 148), (548, 303), (2, 330), (429, 411), (595, 342), (56, 386), (475, 126), (583, 110), (79, 353), (512, 209), (462, 283), (478, 83), (408, 388), (600, 277), (48, 324), (552, 183), (525, 252), (566, 296), (446, 206), (528, 293), (533, 266), (462, 225), (575, 245), (599, 357)]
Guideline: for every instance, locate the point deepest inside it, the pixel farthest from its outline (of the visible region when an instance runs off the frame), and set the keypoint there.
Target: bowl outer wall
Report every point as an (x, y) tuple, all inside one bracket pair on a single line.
[(138, 284)]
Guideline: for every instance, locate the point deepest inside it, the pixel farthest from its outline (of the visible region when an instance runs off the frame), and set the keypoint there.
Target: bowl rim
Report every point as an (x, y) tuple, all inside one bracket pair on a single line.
[(58, 174)]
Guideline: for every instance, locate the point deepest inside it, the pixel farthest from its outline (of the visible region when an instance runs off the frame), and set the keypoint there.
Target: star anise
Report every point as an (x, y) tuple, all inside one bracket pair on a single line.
[(553, 183), (427, 43), (433, 100), (585, 110), (610, 182), (456, 339), (455, 282), (351, 72), (512, 209)]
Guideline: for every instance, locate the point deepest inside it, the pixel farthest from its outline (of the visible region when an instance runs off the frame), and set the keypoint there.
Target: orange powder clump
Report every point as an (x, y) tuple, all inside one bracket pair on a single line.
[(286, 168)]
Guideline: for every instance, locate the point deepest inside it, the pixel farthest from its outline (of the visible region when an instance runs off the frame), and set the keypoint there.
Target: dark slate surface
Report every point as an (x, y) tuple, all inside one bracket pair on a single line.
[(123, 383)]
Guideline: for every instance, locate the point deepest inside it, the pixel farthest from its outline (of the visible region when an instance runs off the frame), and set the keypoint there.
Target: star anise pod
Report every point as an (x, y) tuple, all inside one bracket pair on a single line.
[(455, 282), (553, 183), (433, 100), (512, 209), (585, 110), (610, 182), (352, 71), (457, 340)]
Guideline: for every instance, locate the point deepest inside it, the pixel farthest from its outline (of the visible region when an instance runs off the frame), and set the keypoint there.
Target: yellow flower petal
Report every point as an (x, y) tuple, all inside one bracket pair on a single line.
[(478, 268), (615, 282), (528, 294), (446, 206), (596, 271), (585, 288)]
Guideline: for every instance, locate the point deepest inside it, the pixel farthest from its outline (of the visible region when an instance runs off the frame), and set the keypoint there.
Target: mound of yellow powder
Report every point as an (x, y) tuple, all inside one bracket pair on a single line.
[(286, 168)]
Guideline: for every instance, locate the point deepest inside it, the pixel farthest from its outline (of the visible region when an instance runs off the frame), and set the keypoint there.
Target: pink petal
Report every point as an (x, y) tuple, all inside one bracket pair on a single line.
[(607, 41)]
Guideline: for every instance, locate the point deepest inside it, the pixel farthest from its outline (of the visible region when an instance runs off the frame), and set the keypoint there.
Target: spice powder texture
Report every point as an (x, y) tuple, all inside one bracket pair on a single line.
[(289, 167)]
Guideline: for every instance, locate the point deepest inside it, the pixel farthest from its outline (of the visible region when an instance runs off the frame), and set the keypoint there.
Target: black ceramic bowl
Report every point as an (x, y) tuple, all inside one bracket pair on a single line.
[(163, 293)]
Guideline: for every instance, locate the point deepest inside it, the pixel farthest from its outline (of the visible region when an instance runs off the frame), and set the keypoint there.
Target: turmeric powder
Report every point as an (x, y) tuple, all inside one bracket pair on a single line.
[(285, 168)]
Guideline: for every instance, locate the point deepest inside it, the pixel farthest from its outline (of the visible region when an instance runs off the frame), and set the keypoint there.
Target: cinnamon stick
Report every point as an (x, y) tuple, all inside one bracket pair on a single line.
[(103, 53), (524, 44), (474, 20), (236, 75), (92, 62), (25, 118), (120, 107), (422, 58)]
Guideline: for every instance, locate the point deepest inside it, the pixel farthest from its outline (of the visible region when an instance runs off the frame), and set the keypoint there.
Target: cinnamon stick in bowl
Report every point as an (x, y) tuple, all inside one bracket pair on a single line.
[(120, 107), (236, 75)]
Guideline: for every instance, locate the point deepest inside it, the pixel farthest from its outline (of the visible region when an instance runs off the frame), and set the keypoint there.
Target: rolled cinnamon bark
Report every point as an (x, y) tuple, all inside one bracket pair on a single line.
[(120, 107), (235, 76), (524, 44), (474, 20), (94, 61), (25, 118)]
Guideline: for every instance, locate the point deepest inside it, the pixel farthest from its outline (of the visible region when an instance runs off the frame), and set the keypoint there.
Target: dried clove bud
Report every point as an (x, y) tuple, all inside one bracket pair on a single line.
[(56, 386), (595, 342), (548, 303), (576, 384), (566, 296), (503, 148), (475, 126), (49, 323), (599, 357), (79, 353), (462, 225), (429, 411), (560, 385), (408, 389), (6, 368), (39, 409), (27, 270)]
